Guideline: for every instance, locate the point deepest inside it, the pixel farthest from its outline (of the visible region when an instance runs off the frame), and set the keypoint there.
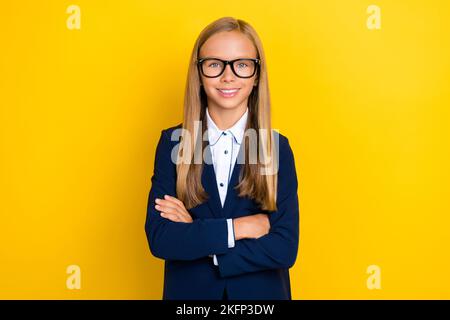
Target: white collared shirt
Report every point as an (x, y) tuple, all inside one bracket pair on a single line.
[(224, 147)]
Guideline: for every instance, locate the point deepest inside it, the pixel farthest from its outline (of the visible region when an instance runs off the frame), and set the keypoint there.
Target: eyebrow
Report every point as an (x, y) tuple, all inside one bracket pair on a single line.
[(215, 57)]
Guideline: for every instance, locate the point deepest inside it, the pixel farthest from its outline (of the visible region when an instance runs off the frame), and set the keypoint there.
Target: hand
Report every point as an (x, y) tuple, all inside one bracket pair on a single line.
[(254, 226), (173, 209)]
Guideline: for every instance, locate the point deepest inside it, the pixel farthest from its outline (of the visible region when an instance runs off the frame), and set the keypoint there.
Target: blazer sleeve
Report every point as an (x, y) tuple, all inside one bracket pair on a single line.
[(277, 249), (171, 240)]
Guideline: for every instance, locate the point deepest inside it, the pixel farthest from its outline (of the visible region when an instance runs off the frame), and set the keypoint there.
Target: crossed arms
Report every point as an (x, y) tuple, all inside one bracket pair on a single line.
[(261, 241)]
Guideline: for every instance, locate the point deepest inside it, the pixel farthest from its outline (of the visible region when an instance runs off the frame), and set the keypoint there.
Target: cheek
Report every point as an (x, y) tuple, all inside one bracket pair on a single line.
[(210, 82), (246, 89), (210, 86)]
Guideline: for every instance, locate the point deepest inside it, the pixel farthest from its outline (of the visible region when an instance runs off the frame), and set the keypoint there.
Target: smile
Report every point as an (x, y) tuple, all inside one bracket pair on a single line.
[(228, 93)]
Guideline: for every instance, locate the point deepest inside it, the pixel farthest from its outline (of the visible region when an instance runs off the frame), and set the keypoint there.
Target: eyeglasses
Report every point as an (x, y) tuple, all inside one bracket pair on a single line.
[(242, 68)]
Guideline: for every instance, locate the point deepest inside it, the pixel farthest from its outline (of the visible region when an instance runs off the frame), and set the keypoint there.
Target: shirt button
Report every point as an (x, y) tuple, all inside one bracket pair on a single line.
[(224, 133), (221, 184), (226, 151)]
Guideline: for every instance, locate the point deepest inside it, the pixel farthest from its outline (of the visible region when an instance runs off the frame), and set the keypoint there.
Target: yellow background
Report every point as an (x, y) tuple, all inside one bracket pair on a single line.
[(366, 113)]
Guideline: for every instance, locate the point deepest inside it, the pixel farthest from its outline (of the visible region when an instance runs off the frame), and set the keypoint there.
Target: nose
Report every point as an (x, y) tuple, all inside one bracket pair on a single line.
[(228, 74)]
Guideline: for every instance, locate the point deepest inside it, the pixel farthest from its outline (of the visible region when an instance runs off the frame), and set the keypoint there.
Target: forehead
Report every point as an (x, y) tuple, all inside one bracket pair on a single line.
[(228, 45)]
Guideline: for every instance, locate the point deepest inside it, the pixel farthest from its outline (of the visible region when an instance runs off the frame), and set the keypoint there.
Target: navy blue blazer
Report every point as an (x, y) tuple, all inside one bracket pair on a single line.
[(254, 268)]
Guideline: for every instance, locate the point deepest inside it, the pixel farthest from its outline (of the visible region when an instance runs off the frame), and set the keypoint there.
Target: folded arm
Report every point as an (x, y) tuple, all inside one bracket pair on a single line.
[(278, 248), (177, 240)]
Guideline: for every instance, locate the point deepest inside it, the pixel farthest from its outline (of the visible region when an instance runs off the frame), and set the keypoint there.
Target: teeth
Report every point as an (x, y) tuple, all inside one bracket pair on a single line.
[(228, 91)]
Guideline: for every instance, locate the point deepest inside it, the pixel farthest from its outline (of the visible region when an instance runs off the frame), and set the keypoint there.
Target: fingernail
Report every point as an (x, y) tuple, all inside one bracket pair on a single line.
[(157, 200), (166, 196), (157, 207)]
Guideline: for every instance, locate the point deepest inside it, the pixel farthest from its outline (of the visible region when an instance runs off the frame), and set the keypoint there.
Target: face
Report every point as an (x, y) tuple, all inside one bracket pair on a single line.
[(228, 45)]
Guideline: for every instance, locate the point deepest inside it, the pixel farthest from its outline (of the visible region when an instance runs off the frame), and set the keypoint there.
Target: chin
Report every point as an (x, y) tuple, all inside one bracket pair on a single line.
[(228, 104)]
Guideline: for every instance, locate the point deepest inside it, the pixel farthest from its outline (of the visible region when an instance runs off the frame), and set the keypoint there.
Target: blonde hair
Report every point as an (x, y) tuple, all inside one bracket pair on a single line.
[(261, 188)]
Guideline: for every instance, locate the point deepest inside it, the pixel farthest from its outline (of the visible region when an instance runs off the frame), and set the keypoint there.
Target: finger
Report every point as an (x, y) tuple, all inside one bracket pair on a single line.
[(184, 217), (170, 216), (167, 209), (168, 204), (172, 204), (176, 200), (176, 216)]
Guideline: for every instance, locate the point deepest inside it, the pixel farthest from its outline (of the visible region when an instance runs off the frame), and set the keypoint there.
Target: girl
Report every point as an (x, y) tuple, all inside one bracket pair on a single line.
[(226, 226)]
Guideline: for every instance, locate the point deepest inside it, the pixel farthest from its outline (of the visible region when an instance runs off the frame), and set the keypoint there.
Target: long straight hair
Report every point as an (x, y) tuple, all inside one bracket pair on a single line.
[(252, 184)]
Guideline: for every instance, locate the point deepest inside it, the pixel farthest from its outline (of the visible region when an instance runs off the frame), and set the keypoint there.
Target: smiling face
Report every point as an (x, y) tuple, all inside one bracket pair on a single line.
[(228, 90)]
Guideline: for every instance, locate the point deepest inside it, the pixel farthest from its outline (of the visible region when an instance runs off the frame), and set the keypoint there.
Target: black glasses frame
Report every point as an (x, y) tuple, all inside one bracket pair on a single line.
[(231, 63)]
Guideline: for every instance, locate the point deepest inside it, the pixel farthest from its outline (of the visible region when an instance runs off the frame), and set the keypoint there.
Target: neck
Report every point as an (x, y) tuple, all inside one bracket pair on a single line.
[(226, 118)]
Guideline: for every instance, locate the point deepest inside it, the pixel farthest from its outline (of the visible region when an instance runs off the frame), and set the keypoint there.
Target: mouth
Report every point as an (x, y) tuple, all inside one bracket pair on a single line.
[(228, 93)]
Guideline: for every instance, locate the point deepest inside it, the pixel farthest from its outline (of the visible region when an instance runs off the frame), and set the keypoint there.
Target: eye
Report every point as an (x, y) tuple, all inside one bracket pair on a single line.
[(242, 65), (213, 65)]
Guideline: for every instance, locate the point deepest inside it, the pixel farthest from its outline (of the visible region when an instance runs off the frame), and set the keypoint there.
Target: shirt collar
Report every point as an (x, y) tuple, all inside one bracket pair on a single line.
[(237, 130)]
